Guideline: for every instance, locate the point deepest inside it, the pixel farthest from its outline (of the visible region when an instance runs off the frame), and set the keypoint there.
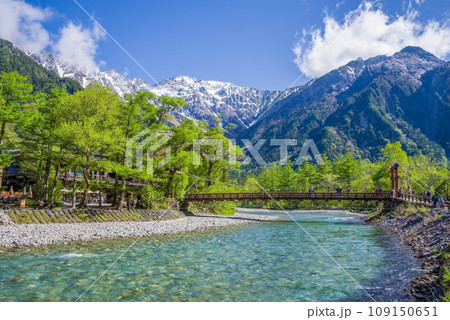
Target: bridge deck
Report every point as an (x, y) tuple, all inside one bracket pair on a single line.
[(251, 196), (254, 196)]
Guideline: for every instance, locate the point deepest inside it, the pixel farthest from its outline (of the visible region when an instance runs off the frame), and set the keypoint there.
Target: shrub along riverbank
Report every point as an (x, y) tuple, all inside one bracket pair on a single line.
[(427, 232)]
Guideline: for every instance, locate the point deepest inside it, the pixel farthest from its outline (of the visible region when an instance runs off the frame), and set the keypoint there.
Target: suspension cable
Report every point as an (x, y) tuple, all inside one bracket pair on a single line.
[(420, 182)]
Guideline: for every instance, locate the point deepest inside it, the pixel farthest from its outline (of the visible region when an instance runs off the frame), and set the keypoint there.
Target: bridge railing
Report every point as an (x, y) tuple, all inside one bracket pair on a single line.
[(419, 199), (250, 196)]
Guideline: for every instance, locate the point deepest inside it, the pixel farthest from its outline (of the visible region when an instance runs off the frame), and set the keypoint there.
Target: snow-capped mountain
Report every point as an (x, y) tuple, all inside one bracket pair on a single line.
[(357, 108), (206, 100), (121, 84)]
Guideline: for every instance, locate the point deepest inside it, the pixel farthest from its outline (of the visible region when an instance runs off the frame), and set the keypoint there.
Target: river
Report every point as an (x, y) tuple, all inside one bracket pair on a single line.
[(266, 261)]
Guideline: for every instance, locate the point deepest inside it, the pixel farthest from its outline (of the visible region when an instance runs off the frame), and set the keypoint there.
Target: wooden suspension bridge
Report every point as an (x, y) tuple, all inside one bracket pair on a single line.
[(302, 196)]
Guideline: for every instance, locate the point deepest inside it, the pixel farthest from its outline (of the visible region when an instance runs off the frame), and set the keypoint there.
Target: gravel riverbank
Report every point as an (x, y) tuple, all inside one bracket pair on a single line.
[(16, 235)]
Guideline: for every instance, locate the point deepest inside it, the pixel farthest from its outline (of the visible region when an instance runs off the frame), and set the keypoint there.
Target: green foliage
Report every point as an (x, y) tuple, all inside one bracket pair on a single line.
[(417, 173), (88, 132), (446, 283), (15, 96)]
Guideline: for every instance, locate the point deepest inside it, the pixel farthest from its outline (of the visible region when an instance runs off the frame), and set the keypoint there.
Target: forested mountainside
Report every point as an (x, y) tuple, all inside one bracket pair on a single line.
[(365, 104), (43, 80)]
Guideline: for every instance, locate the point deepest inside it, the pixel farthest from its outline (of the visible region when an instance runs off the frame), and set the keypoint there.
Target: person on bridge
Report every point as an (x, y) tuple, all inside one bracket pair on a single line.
[(311, 192), (435, 200), (414, 191), (339, 192), (348, 189), (377, 191)]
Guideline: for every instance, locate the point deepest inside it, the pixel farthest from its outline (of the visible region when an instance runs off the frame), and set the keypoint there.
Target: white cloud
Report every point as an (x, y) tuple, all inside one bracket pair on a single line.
[(340, 3), (78, 45), (21, 23), (367, 32)]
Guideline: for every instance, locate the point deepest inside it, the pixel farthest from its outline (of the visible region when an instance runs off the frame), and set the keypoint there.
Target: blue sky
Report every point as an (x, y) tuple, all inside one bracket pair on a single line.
[(262, 44)]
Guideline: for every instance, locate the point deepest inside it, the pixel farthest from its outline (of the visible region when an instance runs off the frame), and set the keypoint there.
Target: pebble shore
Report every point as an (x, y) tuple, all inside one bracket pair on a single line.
[(17, 235), (427, 234)]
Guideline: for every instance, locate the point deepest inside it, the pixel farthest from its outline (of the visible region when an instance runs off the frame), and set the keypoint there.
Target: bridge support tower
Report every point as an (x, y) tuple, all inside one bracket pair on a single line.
[(184, 206), (395, 185)]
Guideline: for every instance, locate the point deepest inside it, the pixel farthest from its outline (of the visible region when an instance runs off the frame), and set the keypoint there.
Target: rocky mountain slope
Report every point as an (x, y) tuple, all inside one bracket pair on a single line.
[(206, 100), (365, 104)]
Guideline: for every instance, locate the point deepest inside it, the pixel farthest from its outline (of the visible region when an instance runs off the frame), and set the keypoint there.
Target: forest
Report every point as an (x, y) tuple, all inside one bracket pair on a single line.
[(48, 135)]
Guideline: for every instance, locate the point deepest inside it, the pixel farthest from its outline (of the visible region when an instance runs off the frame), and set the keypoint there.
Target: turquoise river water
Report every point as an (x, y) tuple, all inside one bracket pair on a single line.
[(268, 261)]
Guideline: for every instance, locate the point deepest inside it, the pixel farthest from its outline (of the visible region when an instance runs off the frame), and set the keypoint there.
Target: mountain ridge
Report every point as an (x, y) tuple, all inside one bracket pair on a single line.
[(358, 107), (207, 99), (360, 114)]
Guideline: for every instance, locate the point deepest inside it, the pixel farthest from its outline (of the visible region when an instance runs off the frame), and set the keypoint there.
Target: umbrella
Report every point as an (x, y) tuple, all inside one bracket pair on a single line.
[(11, 191)]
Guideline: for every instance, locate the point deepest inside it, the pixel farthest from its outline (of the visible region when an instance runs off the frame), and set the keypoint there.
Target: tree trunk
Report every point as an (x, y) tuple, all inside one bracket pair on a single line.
[(74, 190), (48, 166), (121, 195), (210, 173), (168, 186), (99, 179), (55, 180), (116, 189), (83, 202), (38, 192), (2, 133), (1, 149)]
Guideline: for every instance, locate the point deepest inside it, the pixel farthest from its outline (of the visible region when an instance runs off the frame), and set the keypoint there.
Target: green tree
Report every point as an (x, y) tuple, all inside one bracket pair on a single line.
[(308, 176), (91, 130), (15, 96), (347, 169), (41, 150)]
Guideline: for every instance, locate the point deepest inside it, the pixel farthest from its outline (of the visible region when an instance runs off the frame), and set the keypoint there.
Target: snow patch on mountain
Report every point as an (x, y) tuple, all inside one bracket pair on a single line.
[(207, 100)]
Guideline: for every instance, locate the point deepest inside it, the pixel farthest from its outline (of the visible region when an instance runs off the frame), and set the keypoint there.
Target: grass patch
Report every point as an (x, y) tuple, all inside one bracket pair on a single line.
[(82, 215), (446, 284), (446, 275)]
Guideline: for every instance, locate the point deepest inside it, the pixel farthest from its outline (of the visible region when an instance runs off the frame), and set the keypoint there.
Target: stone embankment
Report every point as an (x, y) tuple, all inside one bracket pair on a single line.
[(60, 215), (428, 234)]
